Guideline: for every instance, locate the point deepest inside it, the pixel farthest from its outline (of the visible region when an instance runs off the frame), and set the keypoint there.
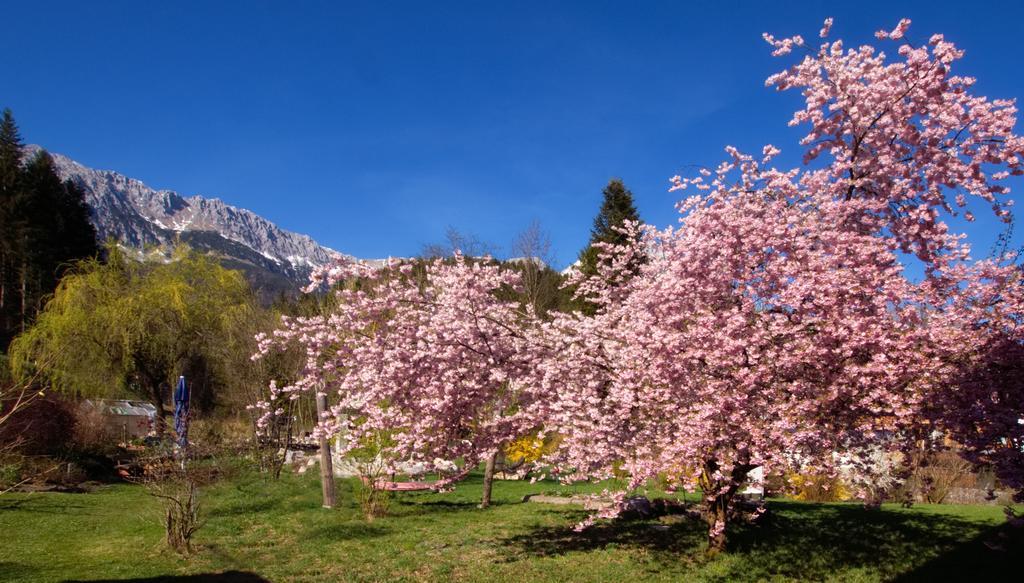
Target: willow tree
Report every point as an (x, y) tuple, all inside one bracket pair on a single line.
[(130, 327)]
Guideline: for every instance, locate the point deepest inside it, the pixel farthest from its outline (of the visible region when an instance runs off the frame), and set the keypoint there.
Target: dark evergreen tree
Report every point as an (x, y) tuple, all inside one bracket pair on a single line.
[(60, 214), (616, 208), (55, 229), (45, 229), (11, 150), (78, 234)]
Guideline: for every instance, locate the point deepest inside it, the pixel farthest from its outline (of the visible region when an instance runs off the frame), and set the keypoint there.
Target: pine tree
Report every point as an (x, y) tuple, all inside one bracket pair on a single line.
[(60, 215), (44, 229), (616, 208), (11, 150), (77, 233)]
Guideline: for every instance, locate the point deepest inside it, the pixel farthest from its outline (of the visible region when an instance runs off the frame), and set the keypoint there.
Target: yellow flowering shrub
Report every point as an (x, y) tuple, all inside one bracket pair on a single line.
[(812, 487), (529, 449)]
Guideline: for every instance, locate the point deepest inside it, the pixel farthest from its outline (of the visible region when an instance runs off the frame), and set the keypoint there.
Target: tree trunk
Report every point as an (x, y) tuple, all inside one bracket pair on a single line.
[(326, 464), (4, 326), (718, 498), (716, 514), (485, 501), (24, 287), (158, 402)]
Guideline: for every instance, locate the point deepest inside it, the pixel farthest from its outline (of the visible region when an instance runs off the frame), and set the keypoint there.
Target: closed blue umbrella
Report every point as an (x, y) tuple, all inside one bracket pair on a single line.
[(181, 411)]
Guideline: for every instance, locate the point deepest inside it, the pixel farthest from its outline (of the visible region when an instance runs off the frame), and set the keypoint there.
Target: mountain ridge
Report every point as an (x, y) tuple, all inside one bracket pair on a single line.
[(136, 215)]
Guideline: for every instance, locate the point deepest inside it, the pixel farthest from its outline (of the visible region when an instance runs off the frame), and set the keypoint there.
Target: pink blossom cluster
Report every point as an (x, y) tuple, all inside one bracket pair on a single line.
[(428, 355)]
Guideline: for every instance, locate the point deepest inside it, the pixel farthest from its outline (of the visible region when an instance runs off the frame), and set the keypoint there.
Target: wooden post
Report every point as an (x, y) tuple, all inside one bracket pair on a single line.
[(326, 464)]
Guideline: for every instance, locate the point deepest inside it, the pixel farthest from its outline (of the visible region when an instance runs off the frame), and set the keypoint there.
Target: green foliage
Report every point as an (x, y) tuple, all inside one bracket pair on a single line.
[(5, 371), (303, 305), (124, 326), (10, 471)]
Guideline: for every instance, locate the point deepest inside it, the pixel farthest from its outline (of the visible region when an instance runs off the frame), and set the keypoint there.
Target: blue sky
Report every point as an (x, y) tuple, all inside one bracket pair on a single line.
[(372, 126)]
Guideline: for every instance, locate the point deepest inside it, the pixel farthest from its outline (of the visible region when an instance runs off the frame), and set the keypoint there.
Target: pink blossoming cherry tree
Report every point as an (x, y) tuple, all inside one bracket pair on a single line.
[(775, 326), (427, 355)]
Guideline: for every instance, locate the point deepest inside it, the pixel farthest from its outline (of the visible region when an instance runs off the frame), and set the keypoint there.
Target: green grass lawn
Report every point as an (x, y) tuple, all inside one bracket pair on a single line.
[(278, 531)]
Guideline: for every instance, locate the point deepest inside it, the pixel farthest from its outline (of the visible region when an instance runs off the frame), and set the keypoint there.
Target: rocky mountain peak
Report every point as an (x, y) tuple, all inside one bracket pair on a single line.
[(129, 211)]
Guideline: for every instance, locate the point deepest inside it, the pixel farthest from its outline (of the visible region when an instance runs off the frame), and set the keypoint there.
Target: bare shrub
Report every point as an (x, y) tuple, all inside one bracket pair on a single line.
[(937, 473), (270, 446), (180, 492), (177, 482), (92, 433), (15, 397), (182, 517)]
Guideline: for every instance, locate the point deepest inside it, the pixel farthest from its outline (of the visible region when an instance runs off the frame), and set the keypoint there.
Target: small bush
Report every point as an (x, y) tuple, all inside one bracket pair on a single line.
[(531, 448), (811, 487), (373, 501), (6, 378), (670, 481), (20, 469), (373, 464), (10, 471)]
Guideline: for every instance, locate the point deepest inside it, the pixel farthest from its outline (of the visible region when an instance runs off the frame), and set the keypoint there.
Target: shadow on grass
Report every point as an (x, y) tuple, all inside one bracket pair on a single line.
[(345, 531), (677, 542), (247, 507), (9, 571), (994, 555), (38, 503), (409, 507), (811, 540), (225, 577), (807, 541), (262, 496), (441, 505)]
